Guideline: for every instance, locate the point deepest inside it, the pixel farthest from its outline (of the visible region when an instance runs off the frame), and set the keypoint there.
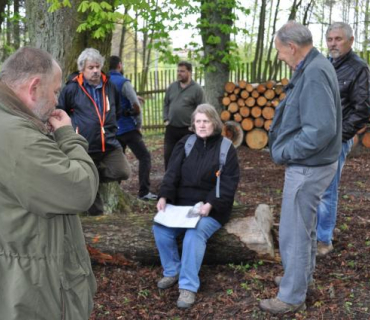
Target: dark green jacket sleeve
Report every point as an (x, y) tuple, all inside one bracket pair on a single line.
[(54, 176)]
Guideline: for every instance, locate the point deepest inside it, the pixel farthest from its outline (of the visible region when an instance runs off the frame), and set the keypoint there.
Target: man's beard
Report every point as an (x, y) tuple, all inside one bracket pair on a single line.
[(184, 80), (335, 54), (42, 111)]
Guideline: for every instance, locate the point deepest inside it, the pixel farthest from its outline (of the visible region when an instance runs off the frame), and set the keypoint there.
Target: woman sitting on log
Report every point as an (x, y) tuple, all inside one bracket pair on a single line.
[(191, 179)]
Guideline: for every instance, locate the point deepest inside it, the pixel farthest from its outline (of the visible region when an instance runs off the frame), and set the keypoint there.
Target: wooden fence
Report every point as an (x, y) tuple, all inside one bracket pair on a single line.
[(158, 81)]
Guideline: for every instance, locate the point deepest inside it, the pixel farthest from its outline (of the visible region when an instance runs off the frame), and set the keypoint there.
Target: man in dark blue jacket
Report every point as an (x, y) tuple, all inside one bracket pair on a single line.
[(129, 123), (91, 102)]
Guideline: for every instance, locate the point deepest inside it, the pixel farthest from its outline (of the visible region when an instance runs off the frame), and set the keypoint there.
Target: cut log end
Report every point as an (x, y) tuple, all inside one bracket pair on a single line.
[(366, 139), (226, 101), (256, 139), (233, 131), (225, 115), (230, 87), (233, 107)]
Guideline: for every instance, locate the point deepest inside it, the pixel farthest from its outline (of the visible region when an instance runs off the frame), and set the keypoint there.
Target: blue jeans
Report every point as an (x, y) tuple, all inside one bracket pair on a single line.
[(303, 188), (327, 209), (193, 249)]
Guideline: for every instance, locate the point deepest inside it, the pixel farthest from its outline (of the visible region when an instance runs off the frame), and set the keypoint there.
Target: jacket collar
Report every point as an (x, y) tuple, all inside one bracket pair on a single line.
[(191, 83), (79, 78), (338, 62), (14, 105), (312, 54), (210, 140)]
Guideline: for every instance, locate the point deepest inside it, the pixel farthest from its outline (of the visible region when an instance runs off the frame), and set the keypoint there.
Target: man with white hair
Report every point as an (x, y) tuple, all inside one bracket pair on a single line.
[(305, 137), (354, 85), (46, 179), (92, 102)]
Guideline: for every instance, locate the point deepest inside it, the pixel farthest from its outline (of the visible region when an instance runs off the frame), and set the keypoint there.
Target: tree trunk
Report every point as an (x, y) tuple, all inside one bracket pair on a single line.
[(257, 63), (16, 26), (56, 33), (3, 4), (292, 15), (268, 59), (216, 72), (307, 10), (123, 34), (8, 33), (251, 33), (366, 30), (242, 239)]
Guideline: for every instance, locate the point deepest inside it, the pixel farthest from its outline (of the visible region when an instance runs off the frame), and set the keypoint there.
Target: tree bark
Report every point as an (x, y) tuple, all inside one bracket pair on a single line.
[(3, 4), (257, 63), (216, 72), (123, 34), (16, 26), (244, 238), (56, 33), (268, 59)]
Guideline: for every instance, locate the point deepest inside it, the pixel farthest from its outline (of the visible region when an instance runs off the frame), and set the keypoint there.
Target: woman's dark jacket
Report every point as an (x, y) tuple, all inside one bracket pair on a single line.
[(354, 85), (191, 179), (100, 132)]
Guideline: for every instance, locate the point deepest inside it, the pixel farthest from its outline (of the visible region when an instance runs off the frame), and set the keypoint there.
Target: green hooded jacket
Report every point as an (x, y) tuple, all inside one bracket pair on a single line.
[(45, 180)]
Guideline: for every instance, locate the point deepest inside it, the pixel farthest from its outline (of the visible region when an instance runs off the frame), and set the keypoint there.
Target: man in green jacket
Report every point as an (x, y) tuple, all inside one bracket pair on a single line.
[(181, 99), (46, 178)]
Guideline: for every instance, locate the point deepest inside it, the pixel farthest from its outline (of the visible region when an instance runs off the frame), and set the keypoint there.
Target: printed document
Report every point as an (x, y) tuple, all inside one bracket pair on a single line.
[(176, 217)]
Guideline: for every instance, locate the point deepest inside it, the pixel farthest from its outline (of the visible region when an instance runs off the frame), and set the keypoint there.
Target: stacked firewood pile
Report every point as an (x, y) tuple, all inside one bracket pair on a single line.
[(250, 108), (253, 107)]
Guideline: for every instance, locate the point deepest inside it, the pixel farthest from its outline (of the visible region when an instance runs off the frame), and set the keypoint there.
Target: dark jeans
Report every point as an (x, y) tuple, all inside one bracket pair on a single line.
[(171, 137), (134, 140), (112, 165)]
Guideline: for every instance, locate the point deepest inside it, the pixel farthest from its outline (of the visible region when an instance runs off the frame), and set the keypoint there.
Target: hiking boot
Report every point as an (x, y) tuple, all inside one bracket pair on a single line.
[(186, 299), (276, 306), (167, 282), (323, 249), (310, 289), (149, 196)]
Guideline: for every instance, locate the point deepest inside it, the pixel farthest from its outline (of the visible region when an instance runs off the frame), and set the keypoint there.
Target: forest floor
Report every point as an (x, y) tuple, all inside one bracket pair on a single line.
[(233, 291)]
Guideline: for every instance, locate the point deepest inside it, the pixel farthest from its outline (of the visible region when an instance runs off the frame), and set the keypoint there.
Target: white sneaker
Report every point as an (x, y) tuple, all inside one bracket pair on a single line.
[(149, 196)]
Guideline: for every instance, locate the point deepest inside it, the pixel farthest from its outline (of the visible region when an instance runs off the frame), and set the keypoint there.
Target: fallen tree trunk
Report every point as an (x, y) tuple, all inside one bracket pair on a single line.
[(242, 239)]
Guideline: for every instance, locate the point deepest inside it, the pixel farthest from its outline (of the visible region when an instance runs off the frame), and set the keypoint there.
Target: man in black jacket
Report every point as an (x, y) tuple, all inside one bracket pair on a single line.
[(354, 83), (92, 102)]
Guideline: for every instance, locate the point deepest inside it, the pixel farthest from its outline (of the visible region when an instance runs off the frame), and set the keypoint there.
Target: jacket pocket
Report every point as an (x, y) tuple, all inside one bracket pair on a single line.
[(77, 283)]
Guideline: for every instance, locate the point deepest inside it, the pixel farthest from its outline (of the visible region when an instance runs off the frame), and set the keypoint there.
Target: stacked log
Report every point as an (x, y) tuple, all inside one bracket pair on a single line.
[(253, 106), (362, 137)]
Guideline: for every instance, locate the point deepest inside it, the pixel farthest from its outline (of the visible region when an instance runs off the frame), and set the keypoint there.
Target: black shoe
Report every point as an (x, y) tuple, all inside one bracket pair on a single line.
[(95, 214)]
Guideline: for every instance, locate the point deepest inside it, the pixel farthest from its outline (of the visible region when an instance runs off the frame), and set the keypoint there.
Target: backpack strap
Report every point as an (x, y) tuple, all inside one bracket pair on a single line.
[(189, 144), (224, 149)]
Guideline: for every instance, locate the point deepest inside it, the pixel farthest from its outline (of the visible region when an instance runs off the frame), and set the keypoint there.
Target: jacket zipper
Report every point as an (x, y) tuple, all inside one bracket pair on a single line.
[(101, 120)]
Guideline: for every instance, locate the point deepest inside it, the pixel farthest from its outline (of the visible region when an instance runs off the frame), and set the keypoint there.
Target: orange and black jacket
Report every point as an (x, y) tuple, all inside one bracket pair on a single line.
[(98, 127)]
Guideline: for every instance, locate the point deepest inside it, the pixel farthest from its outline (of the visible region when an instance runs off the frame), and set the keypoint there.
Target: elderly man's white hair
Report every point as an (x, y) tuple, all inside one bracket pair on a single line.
[(89, 54), (341, 25), (294, 32)]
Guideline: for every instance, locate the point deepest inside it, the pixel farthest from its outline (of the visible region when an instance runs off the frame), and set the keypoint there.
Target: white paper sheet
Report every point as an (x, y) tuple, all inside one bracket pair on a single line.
[(176, 217)]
